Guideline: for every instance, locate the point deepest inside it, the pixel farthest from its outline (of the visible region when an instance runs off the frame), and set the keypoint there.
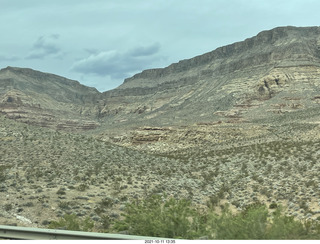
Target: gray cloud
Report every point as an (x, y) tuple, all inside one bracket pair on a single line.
[(145, 51), (45, 46), (8, 58), (117, 64)]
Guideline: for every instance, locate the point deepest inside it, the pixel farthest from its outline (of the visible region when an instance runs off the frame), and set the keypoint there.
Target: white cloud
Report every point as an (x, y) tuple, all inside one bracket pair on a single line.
[(117, 64)]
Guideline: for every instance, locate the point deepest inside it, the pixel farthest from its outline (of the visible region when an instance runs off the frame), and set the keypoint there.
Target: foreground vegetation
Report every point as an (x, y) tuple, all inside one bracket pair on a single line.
[(161, 216)]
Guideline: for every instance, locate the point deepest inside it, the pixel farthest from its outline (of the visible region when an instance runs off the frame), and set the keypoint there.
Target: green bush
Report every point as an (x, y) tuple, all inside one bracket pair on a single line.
[(170, 218), (273, 205), (256, 223), (286, 227), (249, 224), (72, 222)]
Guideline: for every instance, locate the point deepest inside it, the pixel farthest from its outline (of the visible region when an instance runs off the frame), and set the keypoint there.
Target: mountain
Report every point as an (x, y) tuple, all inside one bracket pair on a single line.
[(273, 72), (251, 87), (237, 126), (47, 100)]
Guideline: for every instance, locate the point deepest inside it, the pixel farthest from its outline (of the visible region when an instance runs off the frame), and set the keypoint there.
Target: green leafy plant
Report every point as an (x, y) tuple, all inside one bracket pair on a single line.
[(173, 218), (72, 222), (170, 218), (255, 223), (249, 224)]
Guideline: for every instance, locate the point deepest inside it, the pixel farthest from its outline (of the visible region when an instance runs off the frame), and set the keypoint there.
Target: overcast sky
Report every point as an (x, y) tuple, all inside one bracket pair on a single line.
[(102, 42)]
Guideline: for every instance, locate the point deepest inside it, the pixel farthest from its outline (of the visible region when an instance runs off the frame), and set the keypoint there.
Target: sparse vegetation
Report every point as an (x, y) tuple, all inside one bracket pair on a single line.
[(237, 152), (78, 174), (72, 222)]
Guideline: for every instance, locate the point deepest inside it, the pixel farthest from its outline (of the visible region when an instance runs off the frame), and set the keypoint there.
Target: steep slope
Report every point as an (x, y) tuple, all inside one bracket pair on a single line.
[(262, 77), (46, 99)]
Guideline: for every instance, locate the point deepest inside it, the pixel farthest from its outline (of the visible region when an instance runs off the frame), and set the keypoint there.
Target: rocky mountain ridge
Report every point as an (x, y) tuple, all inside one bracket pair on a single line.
[(252, 51), (265, 80), (47, 100), (233, 80)]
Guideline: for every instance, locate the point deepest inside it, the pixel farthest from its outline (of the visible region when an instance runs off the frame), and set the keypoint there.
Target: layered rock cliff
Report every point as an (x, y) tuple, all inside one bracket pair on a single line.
[(271, 76), (47, 100), (247, 79)]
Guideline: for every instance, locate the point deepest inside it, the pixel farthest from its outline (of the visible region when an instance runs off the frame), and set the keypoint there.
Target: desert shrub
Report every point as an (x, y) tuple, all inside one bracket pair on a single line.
[(256, 223), (64, 205), (213, 201), (82, 187), (8, 206), (265, 191), (106, 202), (72, 222), (273, 205), (61, 191), (249, 224), (304, 205), (3, 173), (104, 205), (28, 204), (286, 227), (170, 218), (106, 221)]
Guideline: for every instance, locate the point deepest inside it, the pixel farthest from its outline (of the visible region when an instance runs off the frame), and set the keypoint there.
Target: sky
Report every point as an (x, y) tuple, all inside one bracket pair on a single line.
[(101, 42)]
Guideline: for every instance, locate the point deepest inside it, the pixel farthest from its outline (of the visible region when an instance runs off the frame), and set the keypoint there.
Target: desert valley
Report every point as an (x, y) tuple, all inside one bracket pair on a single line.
[(234, 126)]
